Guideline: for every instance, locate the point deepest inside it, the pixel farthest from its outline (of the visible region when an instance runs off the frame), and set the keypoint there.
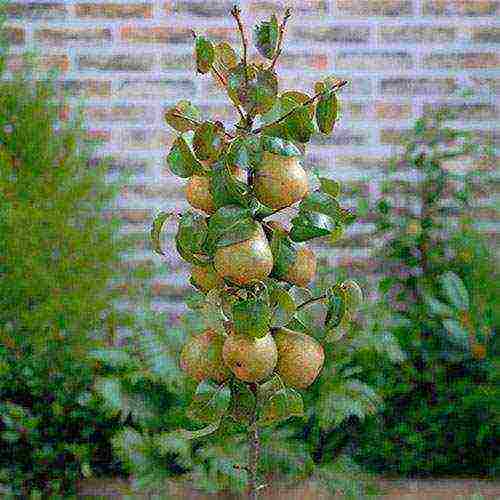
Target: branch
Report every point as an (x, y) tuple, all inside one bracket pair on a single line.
[(235, 12), (311, 301), (220, 76), (197, 123), (288, 14), (338, 86)]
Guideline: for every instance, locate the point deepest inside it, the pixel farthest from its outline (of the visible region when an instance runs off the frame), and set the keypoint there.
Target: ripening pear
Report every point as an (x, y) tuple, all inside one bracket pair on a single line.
[(201, 357), (198, 190), (300, 358), (206, 278), (302, 271), (250, 359), (245, 261), (280, 181)]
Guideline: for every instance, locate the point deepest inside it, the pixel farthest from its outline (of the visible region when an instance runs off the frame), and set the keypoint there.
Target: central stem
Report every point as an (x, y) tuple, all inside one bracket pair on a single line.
[(254, 451)]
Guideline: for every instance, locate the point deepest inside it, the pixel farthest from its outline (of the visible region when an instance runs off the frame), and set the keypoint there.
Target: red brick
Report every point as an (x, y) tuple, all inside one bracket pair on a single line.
[(66, 35), (118, 11), (486, 34), (462, 60), (45, 63), (375, 7), (306, 60), (416, 34), (130, 215), (392, 111), (460, 7), (99, 135), (35, 10), (15, 35)]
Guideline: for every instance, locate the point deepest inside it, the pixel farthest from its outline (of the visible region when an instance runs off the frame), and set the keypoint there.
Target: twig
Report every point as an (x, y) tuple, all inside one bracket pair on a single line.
[(287, 16), (235, 12), (197, 123), (338, 86), (310, 301), (221, 77)]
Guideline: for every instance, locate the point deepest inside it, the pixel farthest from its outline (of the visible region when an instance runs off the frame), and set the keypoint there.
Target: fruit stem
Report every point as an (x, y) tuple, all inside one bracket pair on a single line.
[(338, 86), (287, 16), (254, 450)]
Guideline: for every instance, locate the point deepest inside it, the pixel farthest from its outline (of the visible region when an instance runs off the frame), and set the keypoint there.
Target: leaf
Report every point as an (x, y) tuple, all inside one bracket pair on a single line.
[(283, 307), (284, 253), (262, 91), (252, 317), (309, 225), (337, 306), (298, 126), (195, 301), (181, 115), (111, 392), (266, 37), (236, 84), (242, 402), (284, 404), (237, 154), (156, 228), (208, 140), (455, 290), (181, 160), (322, 203), (330, 187), (192, 231), (279, 146), (300, 98), (458, 335), (327, 111), (437, 307), (224, 61), (210, 402), (225, 188), (205, 54), (353, 295), (189, 435)]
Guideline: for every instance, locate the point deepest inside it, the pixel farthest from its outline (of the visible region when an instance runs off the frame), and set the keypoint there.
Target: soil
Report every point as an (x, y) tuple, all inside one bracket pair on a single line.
[(437, 489)]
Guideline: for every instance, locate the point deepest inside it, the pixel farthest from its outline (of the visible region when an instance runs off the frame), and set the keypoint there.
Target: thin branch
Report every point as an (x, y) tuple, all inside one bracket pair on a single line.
[(338, 86), (236, 13), (219, 75), (197, 123), (311, 301), (288, 14)]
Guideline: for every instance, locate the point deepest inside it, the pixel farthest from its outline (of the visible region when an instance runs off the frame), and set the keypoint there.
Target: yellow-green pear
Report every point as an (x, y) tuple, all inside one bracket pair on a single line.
[(206, 278), (302, 271), (280, 181), (300, 358), (201, 357), (250, 359), (245, 261)]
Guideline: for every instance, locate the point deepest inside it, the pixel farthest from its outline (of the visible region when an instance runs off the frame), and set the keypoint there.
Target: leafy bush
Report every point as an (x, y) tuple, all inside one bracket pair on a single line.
[(441, 279), (58, 258)]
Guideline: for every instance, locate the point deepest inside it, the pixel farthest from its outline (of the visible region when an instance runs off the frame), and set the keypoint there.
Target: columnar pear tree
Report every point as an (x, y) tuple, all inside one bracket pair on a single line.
[(251, 273)]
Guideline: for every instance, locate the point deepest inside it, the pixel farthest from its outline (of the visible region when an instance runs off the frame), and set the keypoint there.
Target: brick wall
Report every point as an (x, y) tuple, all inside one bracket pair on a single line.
[(130, 60)]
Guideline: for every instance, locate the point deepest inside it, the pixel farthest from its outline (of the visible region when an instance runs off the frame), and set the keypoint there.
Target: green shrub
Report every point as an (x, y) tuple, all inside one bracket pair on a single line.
[(58, 258), (441, 280)]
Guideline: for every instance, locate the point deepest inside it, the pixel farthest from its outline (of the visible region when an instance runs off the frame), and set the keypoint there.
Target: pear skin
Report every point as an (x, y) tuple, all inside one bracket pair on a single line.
[(201, 357), (206, 278), (245, 261), (302, 271), (300, 358), (251, 360), (280, 181)]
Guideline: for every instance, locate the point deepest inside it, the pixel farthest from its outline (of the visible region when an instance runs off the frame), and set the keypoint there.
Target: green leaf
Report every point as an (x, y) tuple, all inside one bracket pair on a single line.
[(330, 187), (279, 146), (181, 115), (111, 391), (230, 224), (237, 154), (189, 435), (437, 307), (181, 160), (300, 98), (236, 84), (327, 111), (337, 306), (298, 126), (283, 307), (455, 290), (262, 92), (242, 402), (322, 203), (225, 59), (458, 335), (225, 188), (284, 404), (205, 54), (210, 402), (208, 140), (252, 317), (309, 225), (192, 232), (266, 37), (284, 253), (353, 295), (156, 228)]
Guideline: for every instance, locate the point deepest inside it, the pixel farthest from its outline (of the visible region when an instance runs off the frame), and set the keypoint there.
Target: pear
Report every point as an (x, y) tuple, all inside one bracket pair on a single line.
[(206, 278), (198, 190), (201, 357), (280, 181), (245, 261), (251, 360), (302, 271), (300, 358)]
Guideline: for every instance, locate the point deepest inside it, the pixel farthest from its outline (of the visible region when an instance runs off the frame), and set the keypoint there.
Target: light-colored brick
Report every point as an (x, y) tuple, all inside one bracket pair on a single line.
[(123, 113), (462, 60), (300, 7), (392, 111), (461, 7), (160, 34), (486, 34), (115, 10), (76, 35), (375, 7), (15, 35), (418, 86), (417, 34), (200, 8), (332, 34), (85, 88), (156, 89), (46, 63), (35, 10), (116, 62), (373, 61)]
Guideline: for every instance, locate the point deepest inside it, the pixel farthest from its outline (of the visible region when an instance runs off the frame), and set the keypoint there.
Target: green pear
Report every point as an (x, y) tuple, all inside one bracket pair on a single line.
[(251, 360), (206, 278), (300, 358), (201, 357), (303, 269)]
